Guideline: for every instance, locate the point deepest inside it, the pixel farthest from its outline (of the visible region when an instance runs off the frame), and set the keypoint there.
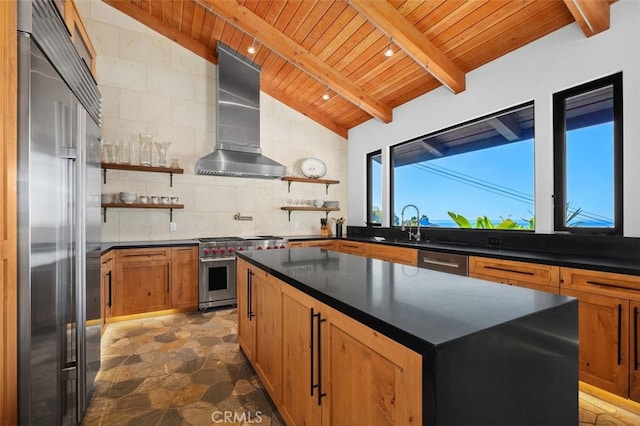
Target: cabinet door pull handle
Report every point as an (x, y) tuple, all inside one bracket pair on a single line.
[(619, 333), (320, 393), (168, 277), (497, 268), (311, 351), (110, 300), (604, 284), (635, 338), (319, 357), (250, 313)]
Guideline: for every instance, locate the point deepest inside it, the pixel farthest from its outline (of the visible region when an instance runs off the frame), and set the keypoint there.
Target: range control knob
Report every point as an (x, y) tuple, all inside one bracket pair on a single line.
[(268, 247), (240, 248), (205, 251), (259, 247), (282, 246), (231, 250), (214, 251), (223, 251)]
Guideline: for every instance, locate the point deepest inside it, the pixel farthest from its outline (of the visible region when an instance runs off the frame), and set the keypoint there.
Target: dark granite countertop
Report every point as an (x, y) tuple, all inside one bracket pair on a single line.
[(106, 246), (417, 307), (608, 264)]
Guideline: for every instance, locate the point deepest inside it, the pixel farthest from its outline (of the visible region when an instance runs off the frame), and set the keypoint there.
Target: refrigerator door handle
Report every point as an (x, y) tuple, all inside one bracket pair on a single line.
[(69, 153)]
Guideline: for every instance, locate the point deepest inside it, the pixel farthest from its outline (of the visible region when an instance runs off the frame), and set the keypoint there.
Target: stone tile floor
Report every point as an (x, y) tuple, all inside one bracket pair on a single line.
[(187, 369)]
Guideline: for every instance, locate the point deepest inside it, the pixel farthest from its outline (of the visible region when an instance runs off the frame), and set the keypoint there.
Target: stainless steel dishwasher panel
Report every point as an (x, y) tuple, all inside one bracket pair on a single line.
[(444, 262)]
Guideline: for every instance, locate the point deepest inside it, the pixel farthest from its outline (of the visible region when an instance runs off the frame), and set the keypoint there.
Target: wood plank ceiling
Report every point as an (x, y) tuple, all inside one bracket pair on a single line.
[(307, 48)]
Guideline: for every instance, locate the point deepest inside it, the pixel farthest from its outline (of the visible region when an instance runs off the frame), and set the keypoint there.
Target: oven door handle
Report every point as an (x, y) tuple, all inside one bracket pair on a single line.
[(217, 259)]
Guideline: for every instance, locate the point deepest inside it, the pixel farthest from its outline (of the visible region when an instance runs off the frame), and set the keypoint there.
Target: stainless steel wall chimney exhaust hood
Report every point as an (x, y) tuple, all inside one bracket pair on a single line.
[(237, 152)]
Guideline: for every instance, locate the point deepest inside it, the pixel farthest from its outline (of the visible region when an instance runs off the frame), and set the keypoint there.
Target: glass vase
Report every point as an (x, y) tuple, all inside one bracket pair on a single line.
[(162, 153), (145, 148)]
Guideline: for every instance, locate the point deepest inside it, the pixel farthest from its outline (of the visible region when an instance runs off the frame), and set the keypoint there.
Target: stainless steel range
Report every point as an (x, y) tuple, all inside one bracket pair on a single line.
[(218, 266)]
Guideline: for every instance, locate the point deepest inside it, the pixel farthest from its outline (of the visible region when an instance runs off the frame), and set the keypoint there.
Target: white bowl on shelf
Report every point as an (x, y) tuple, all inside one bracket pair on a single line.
[(128, 197), (108, 198)]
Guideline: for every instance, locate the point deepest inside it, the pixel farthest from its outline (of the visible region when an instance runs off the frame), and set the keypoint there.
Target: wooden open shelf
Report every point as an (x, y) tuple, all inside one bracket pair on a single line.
[(310, 209), (139, 168), (327, 182), (169, 207)]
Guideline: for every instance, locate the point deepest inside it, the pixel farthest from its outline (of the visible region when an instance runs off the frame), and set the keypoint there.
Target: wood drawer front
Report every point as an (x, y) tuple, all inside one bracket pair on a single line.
[(599, 282), (329, 245), (296, 244), (352, 248), (514, 270), (393, 254), (489, 278), (142, 255)]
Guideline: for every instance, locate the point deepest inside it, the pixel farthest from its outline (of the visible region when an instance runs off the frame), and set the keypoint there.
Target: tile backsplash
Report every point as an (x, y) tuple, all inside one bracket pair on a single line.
[(152, 85)]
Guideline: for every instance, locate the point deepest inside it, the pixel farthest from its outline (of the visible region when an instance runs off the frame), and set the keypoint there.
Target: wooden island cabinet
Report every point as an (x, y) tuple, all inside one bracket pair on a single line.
[(328, 355), (318, 365)]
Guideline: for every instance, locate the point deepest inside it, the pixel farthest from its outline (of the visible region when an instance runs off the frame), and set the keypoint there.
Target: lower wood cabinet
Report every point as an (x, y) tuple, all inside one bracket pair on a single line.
[(319, 365), (608, 310), (259, 324), (184, 277), (142, 280), (406, 256), (325, 244), (522, 274), (352, 247), (106, 287), (151, 279)]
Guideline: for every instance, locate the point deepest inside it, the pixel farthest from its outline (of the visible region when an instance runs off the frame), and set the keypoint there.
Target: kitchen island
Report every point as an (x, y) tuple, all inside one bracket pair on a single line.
[(335, 338), (488, 354)]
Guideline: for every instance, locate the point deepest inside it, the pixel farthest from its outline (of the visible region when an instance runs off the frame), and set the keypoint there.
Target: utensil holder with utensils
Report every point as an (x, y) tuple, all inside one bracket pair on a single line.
[(325, 230)]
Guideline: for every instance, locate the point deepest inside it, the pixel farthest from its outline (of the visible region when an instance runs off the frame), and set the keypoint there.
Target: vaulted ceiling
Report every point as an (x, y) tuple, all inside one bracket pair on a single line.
[(307, 48)]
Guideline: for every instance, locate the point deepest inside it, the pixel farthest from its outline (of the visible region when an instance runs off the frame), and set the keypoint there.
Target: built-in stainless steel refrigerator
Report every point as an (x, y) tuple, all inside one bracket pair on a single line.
[(58, 221)]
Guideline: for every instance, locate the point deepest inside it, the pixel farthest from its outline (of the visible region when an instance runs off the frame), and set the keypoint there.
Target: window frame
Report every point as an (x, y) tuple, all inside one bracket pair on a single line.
[(390, 212), (559, 155), (370, 156)]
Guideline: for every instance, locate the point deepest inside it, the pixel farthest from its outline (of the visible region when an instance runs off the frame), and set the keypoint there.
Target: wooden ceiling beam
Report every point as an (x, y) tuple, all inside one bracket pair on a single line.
[(252, 24), (304, 109), (163, 28), (391, 22), (592, 15)]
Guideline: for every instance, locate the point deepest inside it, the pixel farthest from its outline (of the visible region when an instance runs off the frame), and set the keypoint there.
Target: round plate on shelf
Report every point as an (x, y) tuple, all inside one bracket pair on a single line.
[(313, 168)]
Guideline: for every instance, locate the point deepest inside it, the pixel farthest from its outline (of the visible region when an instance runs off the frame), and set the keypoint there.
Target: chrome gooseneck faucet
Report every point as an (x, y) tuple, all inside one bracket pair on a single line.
[(416, 235)]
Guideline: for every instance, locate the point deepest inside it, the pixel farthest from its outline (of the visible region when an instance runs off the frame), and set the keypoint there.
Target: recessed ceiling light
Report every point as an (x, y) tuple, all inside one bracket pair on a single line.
[(252, 47), (389, 52), (326, 96)]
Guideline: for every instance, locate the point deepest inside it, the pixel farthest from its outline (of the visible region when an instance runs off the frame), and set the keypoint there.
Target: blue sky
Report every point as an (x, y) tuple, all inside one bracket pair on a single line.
[(498, 182)]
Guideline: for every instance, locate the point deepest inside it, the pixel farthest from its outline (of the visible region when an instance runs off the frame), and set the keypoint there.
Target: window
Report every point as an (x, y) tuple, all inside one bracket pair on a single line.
[(478, 174), (587, 122), (374, 188)]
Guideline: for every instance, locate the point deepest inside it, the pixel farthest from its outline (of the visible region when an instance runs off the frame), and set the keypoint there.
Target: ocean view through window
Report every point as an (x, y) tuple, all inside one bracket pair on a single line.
[(478, 174)]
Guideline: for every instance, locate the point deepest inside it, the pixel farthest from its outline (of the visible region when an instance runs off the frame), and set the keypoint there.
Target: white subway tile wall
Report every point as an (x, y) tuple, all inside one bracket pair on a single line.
[(152, 85)]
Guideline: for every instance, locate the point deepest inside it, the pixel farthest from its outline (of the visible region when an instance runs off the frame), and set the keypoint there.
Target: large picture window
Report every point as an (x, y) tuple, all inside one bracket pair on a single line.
[(478, 174), (374, 188), (588, 157)]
